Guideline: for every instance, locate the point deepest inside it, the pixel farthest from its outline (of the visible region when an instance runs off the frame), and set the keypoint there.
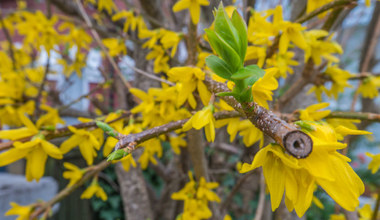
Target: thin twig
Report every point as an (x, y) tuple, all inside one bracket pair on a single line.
[(68, 190), (9, 39), (261, 205), (149, 75), (99, 86), (376, 209), (234, 190), (101, 45), (60, 132), (41, 88)]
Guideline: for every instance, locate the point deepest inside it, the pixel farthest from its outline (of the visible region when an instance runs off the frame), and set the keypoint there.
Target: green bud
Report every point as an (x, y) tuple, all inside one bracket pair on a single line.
[(106, 128), (117, 155)]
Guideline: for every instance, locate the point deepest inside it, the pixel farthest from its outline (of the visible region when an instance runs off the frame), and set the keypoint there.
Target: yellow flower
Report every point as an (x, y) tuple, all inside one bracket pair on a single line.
[(312, 112), (170, 39), (203, 118), (337, 217), (195, 210), (50, 118), (319, 48), (204, 190), (256, 53), (87, 142), (189, 190), (176, 142), (375, 162), (196, 198), (190, 78), (339, 79), (365, 212), (194, 7), (297, 177), (107, 5), (23, 212), (282, 62), (94, 189), (262, 89), (369, 87), (35, 152), (15, 134), (115, 46), (152, 147), (130, 21), (127, 161), (318, 89), (314, 4), (73, 173)]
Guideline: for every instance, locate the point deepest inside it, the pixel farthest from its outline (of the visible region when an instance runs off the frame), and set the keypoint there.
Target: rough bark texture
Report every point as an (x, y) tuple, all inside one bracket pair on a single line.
[(134, 193)]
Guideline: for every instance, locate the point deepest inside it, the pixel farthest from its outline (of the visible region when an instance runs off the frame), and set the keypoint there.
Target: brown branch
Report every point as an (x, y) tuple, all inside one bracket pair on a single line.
[(40, 89), (96, 88), (296, 142), (132, 140), (68, 190), (9, 39), (261, 205), (60, 132), (234, 190), (335, 4), (98, 40)]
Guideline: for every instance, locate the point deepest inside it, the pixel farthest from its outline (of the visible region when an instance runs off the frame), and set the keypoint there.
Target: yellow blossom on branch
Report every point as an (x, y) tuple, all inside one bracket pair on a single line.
[(115, 46), (191, 78), (203, 118), (312, 112), (87, 142), (23, 212), (262, 89), (94, 190), (194, 7), (296, 177), (73, 173), (369, 87)]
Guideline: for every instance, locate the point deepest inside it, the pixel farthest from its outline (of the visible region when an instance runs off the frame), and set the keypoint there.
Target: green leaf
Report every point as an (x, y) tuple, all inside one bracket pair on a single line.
[(248, 71), (218, 66), (305, 126), (246, 95), (226, 30), (222, 94), (106, 128), (117, 155), (241, 28), (224, 50)]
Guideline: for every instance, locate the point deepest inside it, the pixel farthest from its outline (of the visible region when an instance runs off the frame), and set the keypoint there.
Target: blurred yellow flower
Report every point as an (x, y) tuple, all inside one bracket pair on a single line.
[(194, 7), (94, 189), (312, 112), (87, 142), (73, 173), (263, 87), (203, 118), (23, 212)]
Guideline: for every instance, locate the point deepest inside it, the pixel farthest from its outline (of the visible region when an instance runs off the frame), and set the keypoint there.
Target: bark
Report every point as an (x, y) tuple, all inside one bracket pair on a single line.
[(134, 193)]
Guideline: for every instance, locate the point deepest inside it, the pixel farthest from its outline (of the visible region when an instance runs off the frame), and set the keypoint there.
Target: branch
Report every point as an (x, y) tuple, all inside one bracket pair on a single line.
[(132, 140), (41, 88), (296, 142), (9, 39), (60, 132), (100, 44), (99, 86), (326, 7), (68, 190)]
